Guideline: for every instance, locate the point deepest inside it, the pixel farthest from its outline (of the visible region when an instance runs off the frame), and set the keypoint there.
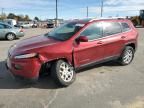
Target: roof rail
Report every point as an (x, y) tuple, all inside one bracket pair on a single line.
[(101, 18)]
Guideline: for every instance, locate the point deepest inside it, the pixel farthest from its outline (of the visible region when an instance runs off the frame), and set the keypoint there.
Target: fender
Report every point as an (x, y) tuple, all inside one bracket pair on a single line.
[(129, 43), (44, 60)]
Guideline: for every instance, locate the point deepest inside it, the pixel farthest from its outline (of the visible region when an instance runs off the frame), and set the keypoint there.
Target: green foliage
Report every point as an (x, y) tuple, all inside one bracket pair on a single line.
[(18, 17), (11, 16), (3, 16), (36, 18)]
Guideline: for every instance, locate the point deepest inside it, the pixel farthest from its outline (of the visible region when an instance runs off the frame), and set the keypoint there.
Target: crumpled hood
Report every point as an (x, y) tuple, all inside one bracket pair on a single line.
[(33, 43)]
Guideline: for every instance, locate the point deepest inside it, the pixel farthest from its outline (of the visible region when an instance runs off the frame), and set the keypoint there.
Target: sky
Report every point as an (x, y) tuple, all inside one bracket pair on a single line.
[(72, 9)]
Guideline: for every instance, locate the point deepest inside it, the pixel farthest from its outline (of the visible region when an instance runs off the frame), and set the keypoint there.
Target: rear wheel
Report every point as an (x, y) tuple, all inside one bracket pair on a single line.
[(127, 56), (63, 73), (10, 36)]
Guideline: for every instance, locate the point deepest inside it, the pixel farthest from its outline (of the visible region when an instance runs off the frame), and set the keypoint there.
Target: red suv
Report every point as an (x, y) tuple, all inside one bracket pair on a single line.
[(72, 46)]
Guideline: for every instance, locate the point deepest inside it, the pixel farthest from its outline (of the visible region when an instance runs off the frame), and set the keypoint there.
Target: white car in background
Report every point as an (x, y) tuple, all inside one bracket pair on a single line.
[(26, 25), (11, 22)]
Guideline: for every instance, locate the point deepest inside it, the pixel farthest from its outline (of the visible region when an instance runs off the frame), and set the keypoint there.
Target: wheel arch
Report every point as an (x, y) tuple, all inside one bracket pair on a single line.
[(10, 33), (132, 45), (47, 64)]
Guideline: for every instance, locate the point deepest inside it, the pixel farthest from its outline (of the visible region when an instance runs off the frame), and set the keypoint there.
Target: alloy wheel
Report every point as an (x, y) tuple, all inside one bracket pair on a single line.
[(66, 72), (10, 36), (128, 56)]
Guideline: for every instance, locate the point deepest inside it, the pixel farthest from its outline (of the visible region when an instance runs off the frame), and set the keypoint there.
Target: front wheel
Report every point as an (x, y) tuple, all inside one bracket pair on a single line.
[(127, 56), (63, 73)]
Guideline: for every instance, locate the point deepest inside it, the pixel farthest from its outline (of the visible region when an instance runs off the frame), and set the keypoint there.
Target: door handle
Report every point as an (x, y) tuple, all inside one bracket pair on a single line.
[(100, 42), (123, 37)]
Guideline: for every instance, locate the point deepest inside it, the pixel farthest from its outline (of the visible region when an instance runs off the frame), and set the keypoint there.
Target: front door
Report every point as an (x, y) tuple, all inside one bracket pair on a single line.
[(91, 51)]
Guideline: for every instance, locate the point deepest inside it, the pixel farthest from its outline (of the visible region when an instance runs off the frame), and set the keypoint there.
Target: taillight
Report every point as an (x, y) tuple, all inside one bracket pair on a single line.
[(21, 30)]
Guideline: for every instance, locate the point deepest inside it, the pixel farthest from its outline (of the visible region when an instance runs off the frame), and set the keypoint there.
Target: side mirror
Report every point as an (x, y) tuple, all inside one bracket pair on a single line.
[(83, 39)]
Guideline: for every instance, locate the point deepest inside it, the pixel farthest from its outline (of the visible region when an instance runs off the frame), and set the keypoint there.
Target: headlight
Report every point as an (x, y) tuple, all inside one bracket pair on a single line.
[(26, 56)]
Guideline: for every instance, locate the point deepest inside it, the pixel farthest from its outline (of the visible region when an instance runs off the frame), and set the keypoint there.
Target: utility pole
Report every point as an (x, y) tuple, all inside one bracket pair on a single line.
[(87, 11), (102, 8), (56, 20), (2, 12)]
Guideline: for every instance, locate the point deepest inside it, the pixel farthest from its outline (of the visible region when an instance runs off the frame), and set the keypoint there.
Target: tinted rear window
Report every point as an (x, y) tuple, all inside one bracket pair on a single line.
[(125, 27), (111, 28)]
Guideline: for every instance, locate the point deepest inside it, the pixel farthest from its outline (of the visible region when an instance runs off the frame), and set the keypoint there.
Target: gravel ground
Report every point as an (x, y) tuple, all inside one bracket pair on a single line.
[(103, 86)]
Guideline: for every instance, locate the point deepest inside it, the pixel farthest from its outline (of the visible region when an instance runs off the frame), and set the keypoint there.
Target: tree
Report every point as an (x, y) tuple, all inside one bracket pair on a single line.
[(21, 16), (36, 18), (11, 16), (18, 17), (3, 16), (26, 18)]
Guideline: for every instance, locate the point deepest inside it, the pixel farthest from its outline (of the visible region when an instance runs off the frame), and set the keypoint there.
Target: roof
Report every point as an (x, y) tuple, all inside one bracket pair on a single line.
[(101, 18), (112, 18), (88, 20)]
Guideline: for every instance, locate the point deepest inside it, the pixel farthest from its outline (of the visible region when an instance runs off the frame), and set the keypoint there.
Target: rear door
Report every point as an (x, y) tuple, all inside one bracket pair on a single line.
[(113, 40), (91, 51)]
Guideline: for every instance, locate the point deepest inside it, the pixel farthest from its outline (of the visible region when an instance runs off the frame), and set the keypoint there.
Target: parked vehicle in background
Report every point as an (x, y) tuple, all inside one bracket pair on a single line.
[(138, 20), (73, 46), (18, 25), (11, 22), (35, 25), (50, 25), (9, 32), (26, 24)]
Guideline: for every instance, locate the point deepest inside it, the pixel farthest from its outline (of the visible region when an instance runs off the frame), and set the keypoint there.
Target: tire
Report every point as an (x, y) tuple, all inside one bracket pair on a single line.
[(59, 72), (10, 36), (127, 56)]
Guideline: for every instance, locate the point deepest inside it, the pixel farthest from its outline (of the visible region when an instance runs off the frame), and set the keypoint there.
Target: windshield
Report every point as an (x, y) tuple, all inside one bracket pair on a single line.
[(65, 31)]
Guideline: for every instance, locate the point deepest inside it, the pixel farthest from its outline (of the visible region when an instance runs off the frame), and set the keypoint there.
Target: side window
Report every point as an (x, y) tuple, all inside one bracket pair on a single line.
[(125, 27), (111, 28), (7, 26), (9, 22), (94, 31), (2, 26)]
